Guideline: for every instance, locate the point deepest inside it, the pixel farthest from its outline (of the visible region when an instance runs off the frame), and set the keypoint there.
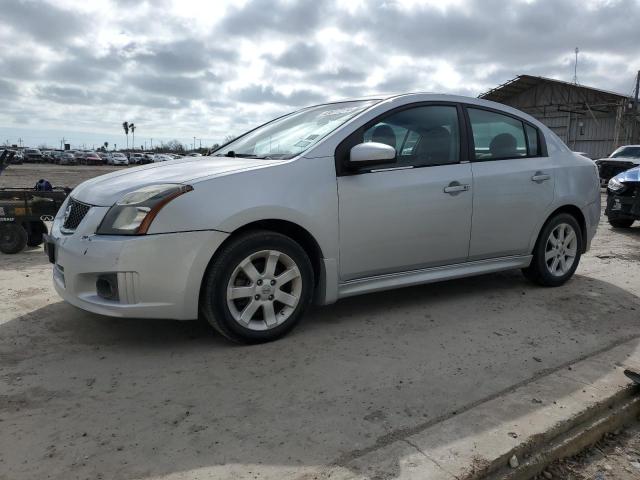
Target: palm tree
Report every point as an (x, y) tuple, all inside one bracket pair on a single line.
[(132, 127), (106, 145), (125, 126)]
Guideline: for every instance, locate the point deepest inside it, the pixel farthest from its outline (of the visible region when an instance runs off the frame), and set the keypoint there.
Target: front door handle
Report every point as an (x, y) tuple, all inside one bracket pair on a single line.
[(456, 187), (540, 177)]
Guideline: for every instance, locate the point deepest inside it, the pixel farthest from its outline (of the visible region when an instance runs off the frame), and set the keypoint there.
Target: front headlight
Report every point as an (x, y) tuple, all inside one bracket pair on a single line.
[(614, 185), (133, 214)]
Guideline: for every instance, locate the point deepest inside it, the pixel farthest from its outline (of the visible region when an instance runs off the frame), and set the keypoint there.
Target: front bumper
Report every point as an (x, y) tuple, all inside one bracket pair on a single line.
[(158, 276), (625, 204)]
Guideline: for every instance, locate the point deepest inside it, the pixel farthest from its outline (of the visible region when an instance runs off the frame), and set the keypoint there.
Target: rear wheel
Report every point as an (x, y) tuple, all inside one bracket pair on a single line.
[(13, 238), (257, 288), (620, 222), (557, 252)]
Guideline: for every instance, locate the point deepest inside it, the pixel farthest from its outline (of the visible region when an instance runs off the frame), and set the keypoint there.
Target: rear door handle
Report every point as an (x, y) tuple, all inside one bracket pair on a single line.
[(456, 187), (540, 177)]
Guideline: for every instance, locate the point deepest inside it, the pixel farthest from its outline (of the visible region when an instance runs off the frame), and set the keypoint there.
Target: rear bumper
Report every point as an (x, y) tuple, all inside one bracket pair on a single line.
[(591, 215), (158, 276)]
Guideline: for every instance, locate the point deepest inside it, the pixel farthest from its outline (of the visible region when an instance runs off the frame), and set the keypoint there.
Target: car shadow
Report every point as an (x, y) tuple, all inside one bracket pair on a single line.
[(85, 395)]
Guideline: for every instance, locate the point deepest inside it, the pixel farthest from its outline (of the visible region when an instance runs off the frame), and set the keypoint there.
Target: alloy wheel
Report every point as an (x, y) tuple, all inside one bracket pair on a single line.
[(561, 249), (264, 290)]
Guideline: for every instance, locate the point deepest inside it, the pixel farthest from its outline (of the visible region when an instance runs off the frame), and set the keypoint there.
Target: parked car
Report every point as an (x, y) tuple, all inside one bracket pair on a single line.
[(68, 158), (147, 157), (194, 154), (622, 159), (79, 156), (104, 156), (117, 158), (354, 197), (623, 198), (162, 157), (17, 158), (32, 155), (135, 158), (91, 158)]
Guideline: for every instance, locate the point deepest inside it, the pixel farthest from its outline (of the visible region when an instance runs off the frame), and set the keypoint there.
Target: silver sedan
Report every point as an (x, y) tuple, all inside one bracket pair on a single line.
[(328, 202)]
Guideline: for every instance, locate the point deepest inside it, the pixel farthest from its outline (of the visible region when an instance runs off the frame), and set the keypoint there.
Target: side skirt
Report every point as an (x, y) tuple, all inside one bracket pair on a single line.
[(430, 275)]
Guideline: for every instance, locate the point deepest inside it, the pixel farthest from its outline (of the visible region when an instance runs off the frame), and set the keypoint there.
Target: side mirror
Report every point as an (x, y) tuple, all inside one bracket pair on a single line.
[(371, 153)]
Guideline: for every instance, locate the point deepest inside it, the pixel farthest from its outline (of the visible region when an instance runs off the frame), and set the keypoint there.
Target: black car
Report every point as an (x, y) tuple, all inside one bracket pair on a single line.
[(624, 158), (623, 198)]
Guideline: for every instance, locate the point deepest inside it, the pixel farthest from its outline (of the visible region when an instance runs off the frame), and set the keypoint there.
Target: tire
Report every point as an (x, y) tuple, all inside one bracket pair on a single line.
[(257, 298), (13, 238), (620, 222), (36, 236), (546, 256)]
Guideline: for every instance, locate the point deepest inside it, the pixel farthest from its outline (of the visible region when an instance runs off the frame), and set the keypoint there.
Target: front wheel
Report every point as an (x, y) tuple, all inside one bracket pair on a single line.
[(557, 252), (620, 222), (257, 288)]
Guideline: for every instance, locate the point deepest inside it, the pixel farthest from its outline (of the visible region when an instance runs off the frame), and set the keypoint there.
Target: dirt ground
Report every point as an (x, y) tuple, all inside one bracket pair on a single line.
[(85, 396)]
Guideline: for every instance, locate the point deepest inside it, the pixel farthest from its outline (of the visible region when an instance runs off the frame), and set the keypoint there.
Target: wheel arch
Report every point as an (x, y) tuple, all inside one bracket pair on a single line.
[(575, 212), (292, 230)]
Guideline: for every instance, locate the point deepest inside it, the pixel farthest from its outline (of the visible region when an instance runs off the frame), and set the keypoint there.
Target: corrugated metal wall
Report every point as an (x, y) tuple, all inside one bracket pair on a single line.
[(592, 132)]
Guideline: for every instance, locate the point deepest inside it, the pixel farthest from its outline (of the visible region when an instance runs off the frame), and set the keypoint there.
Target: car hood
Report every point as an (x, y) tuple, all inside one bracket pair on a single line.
[(107, 189), (621, 159), (631, 175)]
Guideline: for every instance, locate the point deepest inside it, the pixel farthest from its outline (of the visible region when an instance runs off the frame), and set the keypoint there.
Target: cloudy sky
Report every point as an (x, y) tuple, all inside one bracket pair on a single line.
[(205, 68)]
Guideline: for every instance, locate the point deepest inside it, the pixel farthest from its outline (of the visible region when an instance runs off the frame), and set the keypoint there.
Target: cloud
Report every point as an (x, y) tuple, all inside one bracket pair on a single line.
[(226, 66), (182, 56), (268, 94), (7, 88), (42, 21), (299, 56), (170, 85), (284, 18)]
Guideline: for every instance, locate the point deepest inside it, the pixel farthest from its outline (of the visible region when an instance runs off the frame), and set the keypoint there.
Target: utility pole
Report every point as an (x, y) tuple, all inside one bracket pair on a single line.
[(200, 144), (575, 67), (634, 113)]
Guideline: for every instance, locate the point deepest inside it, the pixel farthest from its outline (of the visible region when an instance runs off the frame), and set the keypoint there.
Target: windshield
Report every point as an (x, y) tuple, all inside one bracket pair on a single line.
[(289, 136), (629, 152)]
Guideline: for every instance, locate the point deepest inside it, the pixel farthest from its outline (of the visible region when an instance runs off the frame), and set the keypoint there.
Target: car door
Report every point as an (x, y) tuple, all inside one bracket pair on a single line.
[(413, 213), (513, 183)]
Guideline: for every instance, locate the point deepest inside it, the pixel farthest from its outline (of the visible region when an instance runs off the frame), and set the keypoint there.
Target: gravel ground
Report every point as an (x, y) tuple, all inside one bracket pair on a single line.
[(26, 175), (85, 396), (615, 457)]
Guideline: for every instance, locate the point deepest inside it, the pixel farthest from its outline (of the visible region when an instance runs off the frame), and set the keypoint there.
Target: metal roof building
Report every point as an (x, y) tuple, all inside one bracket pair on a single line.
[(588, 119)]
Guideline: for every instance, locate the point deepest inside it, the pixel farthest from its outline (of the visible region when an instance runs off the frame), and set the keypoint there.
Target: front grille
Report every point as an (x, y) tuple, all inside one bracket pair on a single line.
[(611, 169), (77, 211)]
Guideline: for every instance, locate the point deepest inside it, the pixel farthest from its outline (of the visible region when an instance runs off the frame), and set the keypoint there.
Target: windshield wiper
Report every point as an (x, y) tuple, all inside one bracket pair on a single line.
[(233, 154)]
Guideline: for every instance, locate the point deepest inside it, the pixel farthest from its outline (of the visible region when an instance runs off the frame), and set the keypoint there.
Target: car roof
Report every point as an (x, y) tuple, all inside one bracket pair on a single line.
[(407, 98)]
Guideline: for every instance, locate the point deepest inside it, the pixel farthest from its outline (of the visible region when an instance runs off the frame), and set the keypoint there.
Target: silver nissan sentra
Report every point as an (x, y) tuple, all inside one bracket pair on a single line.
[(328, 202)]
